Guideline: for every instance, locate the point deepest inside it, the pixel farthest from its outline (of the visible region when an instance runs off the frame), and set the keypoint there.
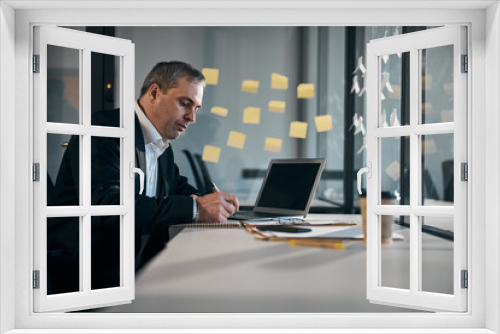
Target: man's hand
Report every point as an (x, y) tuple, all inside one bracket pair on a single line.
[(216, 207)]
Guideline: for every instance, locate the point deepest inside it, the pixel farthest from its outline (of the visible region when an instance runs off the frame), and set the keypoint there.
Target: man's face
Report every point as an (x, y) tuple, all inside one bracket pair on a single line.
[(173, 112)]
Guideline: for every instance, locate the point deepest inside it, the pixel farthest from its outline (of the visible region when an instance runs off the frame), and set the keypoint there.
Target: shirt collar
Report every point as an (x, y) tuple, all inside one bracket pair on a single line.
[(151, 135)]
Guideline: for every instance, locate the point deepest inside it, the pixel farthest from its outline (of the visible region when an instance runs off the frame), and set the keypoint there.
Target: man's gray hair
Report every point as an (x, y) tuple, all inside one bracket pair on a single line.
[(167, 74)]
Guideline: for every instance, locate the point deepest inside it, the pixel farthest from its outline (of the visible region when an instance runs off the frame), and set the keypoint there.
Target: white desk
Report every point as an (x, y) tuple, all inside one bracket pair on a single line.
[(228, 270)]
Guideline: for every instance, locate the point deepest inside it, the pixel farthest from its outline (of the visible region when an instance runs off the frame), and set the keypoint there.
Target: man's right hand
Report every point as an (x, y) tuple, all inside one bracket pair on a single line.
[(216, 207)]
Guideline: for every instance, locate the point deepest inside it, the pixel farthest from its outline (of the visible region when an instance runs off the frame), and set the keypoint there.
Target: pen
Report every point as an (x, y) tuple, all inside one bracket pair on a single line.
[(214, 187), (216, 190), (319, 244)]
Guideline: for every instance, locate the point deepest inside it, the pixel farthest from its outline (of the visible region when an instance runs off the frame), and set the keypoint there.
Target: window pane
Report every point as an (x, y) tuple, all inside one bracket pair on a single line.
[(395, 253), (63, 255), (390, 170), (437, 169), (63, 85), (391, 89), (105, 89), (437, 254), (437, 85), (57, 145), (106, 246), (105, 171), (63, 170)]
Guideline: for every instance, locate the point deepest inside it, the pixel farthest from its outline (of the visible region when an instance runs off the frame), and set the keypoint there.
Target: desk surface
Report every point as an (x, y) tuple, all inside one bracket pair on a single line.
[(227, 270)]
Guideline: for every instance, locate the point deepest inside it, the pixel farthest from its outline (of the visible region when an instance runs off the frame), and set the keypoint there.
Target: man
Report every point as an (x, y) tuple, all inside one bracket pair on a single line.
[(170, 97)]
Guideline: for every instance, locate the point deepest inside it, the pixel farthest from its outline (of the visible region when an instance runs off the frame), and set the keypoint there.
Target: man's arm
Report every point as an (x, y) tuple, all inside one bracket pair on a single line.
[(174, 204), (149, 212)]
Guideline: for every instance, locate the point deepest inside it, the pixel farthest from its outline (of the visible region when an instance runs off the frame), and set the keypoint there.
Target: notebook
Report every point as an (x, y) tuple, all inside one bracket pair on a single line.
[(287, 190)]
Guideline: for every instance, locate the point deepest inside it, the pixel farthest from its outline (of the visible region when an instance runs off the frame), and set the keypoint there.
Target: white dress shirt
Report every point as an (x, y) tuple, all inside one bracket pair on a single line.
[(155, 146)]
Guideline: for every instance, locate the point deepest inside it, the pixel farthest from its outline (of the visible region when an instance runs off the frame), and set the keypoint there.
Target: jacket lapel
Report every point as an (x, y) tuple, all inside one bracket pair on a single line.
[(162, 185), (140, 148)]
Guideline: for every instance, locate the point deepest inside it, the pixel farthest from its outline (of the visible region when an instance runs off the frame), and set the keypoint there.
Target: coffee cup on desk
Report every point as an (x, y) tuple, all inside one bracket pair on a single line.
[(387, 198)]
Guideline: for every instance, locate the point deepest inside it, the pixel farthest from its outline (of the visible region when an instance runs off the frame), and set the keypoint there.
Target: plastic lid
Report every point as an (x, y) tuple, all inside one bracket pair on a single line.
[(384, 194)]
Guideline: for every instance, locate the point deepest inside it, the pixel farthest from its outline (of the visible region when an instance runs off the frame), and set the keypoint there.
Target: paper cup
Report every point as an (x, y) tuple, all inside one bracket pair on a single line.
[(388, 198)]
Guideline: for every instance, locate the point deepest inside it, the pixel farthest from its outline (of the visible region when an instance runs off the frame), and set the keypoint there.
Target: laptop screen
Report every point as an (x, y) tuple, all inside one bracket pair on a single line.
[(289, 184)]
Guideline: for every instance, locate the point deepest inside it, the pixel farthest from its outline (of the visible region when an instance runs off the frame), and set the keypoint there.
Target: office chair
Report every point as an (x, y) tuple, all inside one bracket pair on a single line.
[(206, 176), (429, 189), (448, 177), (197, 178)]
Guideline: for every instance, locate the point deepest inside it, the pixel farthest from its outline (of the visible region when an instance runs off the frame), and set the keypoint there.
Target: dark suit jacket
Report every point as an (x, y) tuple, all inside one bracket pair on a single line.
[(153, 216)]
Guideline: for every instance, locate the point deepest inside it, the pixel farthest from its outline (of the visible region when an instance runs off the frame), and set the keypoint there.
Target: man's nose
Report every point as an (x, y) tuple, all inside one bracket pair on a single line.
[(191, 116)]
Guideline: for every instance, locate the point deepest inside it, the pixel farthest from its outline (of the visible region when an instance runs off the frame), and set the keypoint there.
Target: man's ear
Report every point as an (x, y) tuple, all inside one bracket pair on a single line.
[(153, 92)]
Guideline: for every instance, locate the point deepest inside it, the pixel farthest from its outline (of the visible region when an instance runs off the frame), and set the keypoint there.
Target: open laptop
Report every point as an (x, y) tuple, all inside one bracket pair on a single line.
[(287, 190)]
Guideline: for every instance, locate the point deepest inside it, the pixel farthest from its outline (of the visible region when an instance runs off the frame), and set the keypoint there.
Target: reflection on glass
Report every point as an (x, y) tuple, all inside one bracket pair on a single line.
[(63, 85), (390, 170), (105, 171), (63, 255), (437, 254), (56, 146), (63, 170), (437, 85), (105, 89), (392, 89), (437, 169), (105, 250), (395, 259)]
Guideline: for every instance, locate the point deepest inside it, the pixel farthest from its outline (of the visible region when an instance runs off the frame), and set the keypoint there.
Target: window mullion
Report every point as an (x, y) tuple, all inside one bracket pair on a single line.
[(85, 167), (415, 175)]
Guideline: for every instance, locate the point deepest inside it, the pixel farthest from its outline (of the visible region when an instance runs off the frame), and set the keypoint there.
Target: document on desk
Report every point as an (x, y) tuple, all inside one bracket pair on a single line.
[(295, 221), (321, 232)]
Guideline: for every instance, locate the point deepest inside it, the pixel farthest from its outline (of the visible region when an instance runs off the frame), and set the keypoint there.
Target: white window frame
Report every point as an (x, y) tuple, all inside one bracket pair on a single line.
[(84, 44), (484, 103), (414, 43)]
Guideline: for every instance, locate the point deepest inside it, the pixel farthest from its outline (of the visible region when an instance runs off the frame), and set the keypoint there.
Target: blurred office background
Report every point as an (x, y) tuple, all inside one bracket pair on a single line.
[(327, 57)]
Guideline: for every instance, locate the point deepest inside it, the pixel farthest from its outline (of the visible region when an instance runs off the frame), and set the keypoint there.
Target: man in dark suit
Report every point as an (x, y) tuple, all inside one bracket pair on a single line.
[(170, 97)]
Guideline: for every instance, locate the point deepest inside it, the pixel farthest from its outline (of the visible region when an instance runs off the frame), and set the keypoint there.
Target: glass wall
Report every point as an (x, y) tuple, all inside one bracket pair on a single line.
[(299, 92), (331, 61), (243, 111)]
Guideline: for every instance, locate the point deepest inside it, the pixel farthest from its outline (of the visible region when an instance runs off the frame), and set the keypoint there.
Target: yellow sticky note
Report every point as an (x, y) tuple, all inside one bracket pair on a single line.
[(447, 115), (393, 170), (279, 81), (219, 111), (236, 139), (250, 86), (272, 144), (298, 129), (211, 76), (251, 115), (277, 106), (323, 123), (211, 153), (305, 91), (427, 108), (429, 146)]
